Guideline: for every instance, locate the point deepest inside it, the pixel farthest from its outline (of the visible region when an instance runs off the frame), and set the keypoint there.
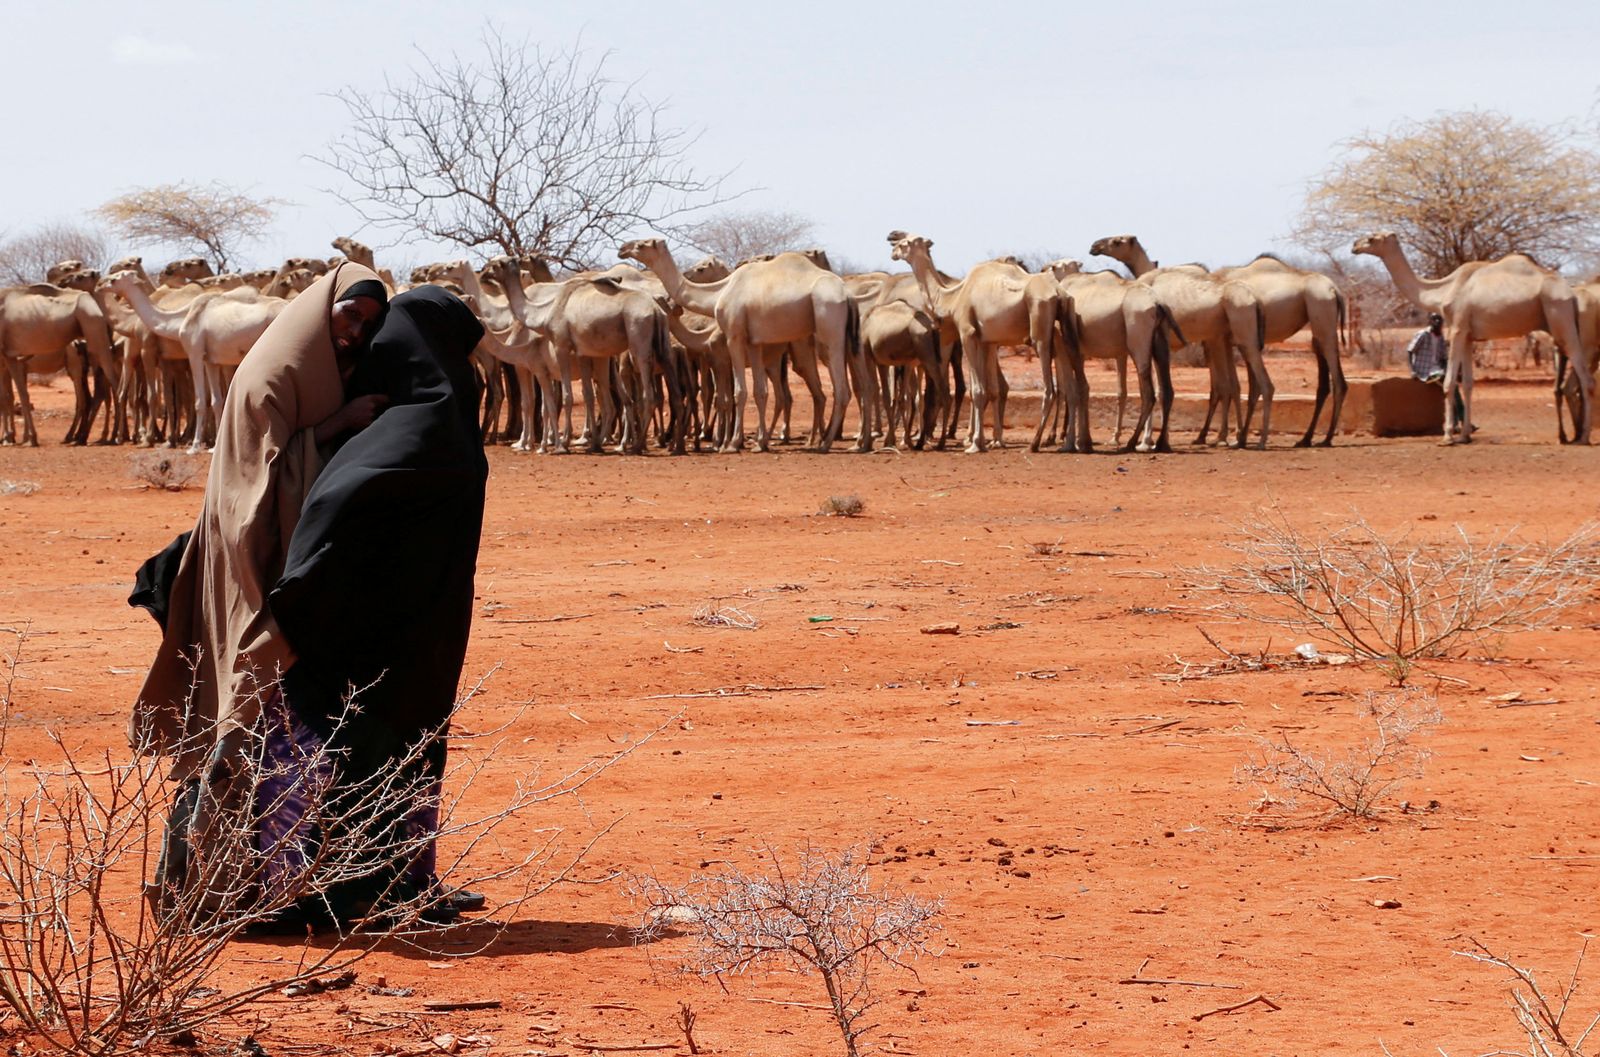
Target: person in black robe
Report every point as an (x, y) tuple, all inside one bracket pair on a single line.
[(377, 594)]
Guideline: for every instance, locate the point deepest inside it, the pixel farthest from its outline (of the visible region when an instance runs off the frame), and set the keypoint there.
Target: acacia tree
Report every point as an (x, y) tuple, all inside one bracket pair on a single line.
[(215, 220), (1466, 186), (520, 150), (735, 235), (26, 257)]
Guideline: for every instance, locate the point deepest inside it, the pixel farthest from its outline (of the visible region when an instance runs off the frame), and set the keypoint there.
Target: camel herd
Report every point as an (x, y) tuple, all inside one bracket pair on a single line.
[(676, 352)]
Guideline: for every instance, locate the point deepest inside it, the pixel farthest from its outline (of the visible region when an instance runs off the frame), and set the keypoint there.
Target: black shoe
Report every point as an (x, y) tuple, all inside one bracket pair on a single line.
[(463, 901)]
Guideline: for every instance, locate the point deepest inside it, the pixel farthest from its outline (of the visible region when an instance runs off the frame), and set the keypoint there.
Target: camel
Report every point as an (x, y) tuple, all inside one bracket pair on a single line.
[(361, 254), (183, 271), (947, 387), (589, 320), (1567, 387), (86, 407), (216, 330), (1220, 314), (1482, 300), (996, 304), (38, 326), (1116, 319), (1292, 299), (902, 343), (785, 301)]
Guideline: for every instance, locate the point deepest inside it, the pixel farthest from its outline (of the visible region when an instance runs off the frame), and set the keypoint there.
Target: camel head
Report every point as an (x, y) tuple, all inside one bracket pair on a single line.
[(1377, 244), (315, 265), (708, 270), (1118, 246), (85, 279), (501, 271), (123, 281), (903, 245), (535, 267), (1064, 267), (640, 249), (126, 264), (185, 270), (56, 272), (353, 250), (225, 281), (259, 278)]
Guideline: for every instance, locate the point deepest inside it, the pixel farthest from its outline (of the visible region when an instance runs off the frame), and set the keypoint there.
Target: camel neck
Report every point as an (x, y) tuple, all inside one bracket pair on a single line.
[(696, 297), (933, 288), (161, 322), (1424, 293)]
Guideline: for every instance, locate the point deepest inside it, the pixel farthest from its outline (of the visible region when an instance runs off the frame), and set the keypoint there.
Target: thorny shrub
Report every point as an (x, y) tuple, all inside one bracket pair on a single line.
[(1355, 781)]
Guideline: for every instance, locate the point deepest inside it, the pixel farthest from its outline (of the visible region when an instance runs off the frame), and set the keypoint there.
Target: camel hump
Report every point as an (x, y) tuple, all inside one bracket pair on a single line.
[(608, 282), (44, 289)]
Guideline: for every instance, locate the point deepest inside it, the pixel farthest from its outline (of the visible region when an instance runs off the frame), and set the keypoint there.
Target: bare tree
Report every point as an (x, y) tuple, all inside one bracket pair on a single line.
[(26, 257), (1396, 599), (735, 235), (519, 150), (213, 220), (820, 914), (1466, 186), (92, 964)]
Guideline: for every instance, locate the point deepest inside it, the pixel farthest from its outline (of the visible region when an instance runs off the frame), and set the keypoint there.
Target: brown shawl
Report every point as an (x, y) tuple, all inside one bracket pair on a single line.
[(221, 650)]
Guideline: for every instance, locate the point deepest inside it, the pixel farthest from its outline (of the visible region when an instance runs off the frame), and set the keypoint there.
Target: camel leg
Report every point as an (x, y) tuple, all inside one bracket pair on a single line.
[(1122, 400), (19, 379), (1001, 389), (1260, 382), (1323, 385), (1044, 433), (803, 355), (835, 347), (8, 409), (758, 378), (1460, 353), (739, 358), (1140, 439), (976, 354), (198, 377)]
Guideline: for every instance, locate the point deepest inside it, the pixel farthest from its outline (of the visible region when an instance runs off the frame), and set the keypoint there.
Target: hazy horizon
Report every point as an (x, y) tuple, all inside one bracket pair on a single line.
[(1031, 130)]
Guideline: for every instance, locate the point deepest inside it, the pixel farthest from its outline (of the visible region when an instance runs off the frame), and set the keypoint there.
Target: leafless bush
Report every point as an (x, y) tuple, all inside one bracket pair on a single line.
[(822, 916), (1353, 782), (1542, 1018), (18, 487), (92, 961), (25, 258), (1397, 599), (843, 506), (713, 616), (165, 470), (1045, 548)]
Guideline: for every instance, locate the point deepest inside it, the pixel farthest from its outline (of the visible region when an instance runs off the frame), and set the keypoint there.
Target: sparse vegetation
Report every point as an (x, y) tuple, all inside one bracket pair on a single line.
[(1472, 185), (167, 471), (843, 506), (1542, 1018), (214, 220), (714, 616), (818, 915), (92, 962), (1354, 782), (1395, 599)]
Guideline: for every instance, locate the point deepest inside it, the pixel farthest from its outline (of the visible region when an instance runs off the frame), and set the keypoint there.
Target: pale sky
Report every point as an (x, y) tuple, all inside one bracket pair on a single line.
[(990, 128)]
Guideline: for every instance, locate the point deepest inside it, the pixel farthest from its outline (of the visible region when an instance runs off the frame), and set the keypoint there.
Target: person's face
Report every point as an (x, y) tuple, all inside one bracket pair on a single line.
[(353, 322), (1436, 325)]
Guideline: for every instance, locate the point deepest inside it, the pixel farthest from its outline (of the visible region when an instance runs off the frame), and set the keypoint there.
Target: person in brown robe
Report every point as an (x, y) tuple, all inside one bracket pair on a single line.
[(221, 651)]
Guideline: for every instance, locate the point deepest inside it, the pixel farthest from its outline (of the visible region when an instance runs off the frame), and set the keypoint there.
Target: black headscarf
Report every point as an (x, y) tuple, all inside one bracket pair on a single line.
[(378, 583)]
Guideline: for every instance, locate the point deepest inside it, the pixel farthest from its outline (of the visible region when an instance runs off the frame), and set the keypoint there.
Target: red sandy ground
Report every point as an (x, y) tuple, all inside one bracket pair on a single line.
[(1126, 846)]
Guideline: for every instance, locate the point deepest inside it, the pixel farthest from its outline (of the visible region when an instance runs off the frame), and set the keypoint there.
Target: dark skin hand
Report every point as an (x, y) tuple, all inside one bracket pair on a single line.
[(352, 322), (353, 417)]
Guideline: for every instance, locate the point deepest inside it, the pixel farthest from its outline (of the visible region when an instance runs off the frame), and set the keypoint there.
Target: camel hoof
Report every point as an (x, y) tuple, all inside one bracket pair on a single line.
[(1303, 442), (1328, 443)]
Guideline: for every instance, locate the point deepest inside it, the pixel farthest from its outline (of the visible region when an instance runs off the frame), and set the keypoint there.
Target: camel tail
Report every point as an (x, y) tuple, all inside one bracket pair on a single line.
[(1344, 319), (1071, 334), (1161, 353), (1170, 322), (1261, 327)]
